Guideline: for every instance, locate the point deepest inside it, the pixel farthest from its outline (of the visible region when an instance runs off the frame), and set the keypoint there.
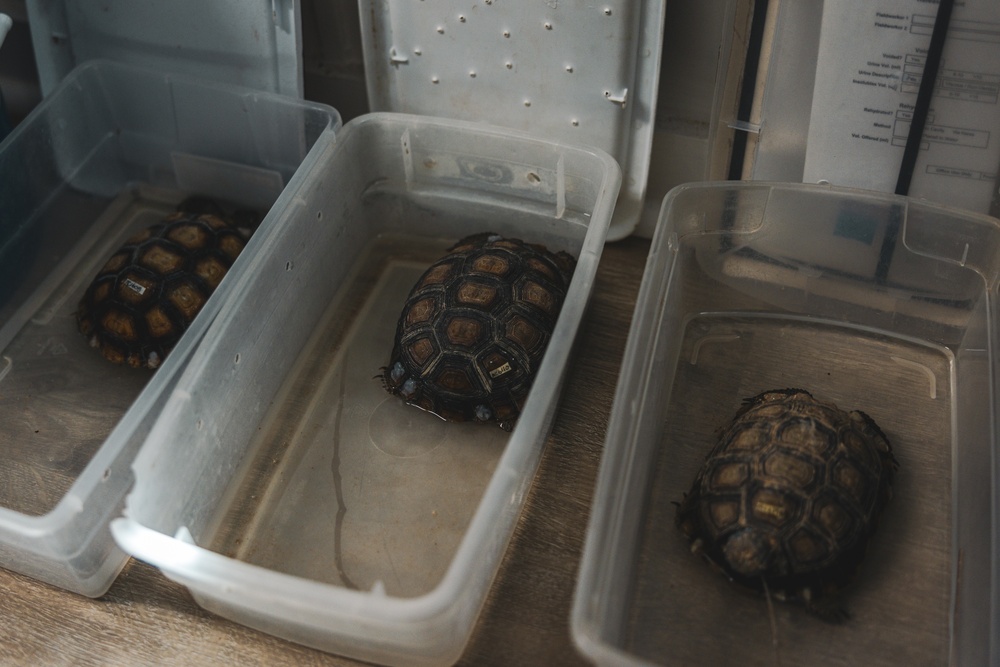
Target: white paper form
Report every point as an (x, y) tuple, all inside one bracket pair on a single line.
[(870, 64)]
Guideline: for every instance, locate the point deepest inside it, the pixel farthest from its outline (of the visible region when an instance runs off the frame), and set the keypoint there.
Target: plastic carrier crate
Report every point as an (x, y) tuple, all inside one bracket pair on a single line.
[(310, 503), (874, 302), (111, 150)]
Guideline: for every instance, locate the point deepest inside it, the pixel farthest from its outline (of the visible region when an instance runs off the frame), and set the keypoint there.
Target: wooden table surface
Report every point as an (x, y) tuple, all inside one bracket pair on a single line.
[(146, 619)]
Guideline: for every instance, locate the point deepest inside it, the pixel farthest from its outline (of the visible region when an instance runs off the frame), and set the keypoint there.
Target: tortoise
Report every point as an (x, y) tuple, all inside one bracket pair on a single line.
[(790, 496), (150, 290), (474, 328)]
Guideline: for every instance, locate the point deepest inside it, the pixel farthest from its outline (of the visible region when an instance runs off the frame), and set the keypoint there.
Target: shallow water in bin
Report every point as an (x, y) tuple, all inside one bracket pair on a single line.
[(352, 486), (899, 605), (59, 398)]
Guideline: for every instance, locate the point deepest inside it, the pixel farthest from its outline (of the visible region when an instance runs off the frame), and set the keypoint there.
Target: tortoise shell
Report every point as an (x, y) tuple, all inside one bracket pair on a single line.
[(145, 297), (474, 328), (790, 496)]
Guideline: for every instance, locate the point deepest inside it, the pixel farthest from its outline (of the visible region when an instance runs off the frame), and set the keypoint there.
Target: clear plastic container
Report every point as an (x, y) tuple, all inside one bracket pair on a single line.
[(282, 484), (875, 302), (110, 151), (250, 43), (579, 73), (800, 131)]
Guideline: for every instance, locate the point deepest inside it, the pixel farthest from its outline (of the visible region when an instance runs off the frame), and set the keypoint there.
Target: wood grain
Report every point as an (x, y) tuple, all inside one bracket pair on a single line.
[(146, 619)]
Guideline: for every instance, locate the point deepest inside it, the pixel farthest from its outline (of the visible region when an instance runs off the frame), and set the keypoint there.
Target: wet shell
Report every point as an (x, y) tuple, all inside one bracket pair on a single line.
[(145, 297), (474, 328), (791, 495)]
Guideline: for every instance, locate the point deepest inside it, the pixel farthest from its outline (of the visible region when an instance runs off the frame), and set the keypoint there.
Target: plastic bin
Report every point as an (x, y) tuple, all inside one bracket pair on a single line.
[(576, 72), (282, 484), (250, 43), (875, 302), (112, 150)]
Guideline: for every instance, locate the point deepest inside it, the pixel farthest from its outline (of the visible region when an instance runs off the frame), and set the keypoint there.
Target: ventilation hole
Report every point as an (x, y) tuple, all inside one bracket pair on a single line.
[(533, 177), (236, 359), (288, 265)]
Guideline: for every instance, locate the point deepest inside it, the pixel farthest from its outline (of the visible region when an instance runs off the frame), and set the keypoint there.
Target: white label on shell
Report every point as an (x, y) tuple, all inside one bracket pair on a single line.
[(134, 286), (500, 370)]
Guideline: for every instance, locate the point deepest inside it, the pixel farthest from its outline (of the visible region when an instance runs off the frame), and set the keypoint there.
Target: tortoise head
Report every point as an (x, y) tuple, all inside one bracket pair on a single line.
[(750, 552)]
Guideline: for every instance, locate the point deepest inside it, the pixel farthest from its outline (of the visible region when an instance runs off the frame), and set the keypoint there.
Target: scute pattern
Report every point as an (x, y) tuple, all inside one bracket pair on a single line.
[(790, 495), (148, 293), (474, 328)]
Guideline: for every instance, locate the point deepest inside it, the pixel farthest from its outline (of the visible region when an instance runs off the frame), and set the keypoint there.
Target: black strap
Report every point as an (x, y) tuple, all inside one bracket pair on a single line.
[(916, 133), (924, 94)]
